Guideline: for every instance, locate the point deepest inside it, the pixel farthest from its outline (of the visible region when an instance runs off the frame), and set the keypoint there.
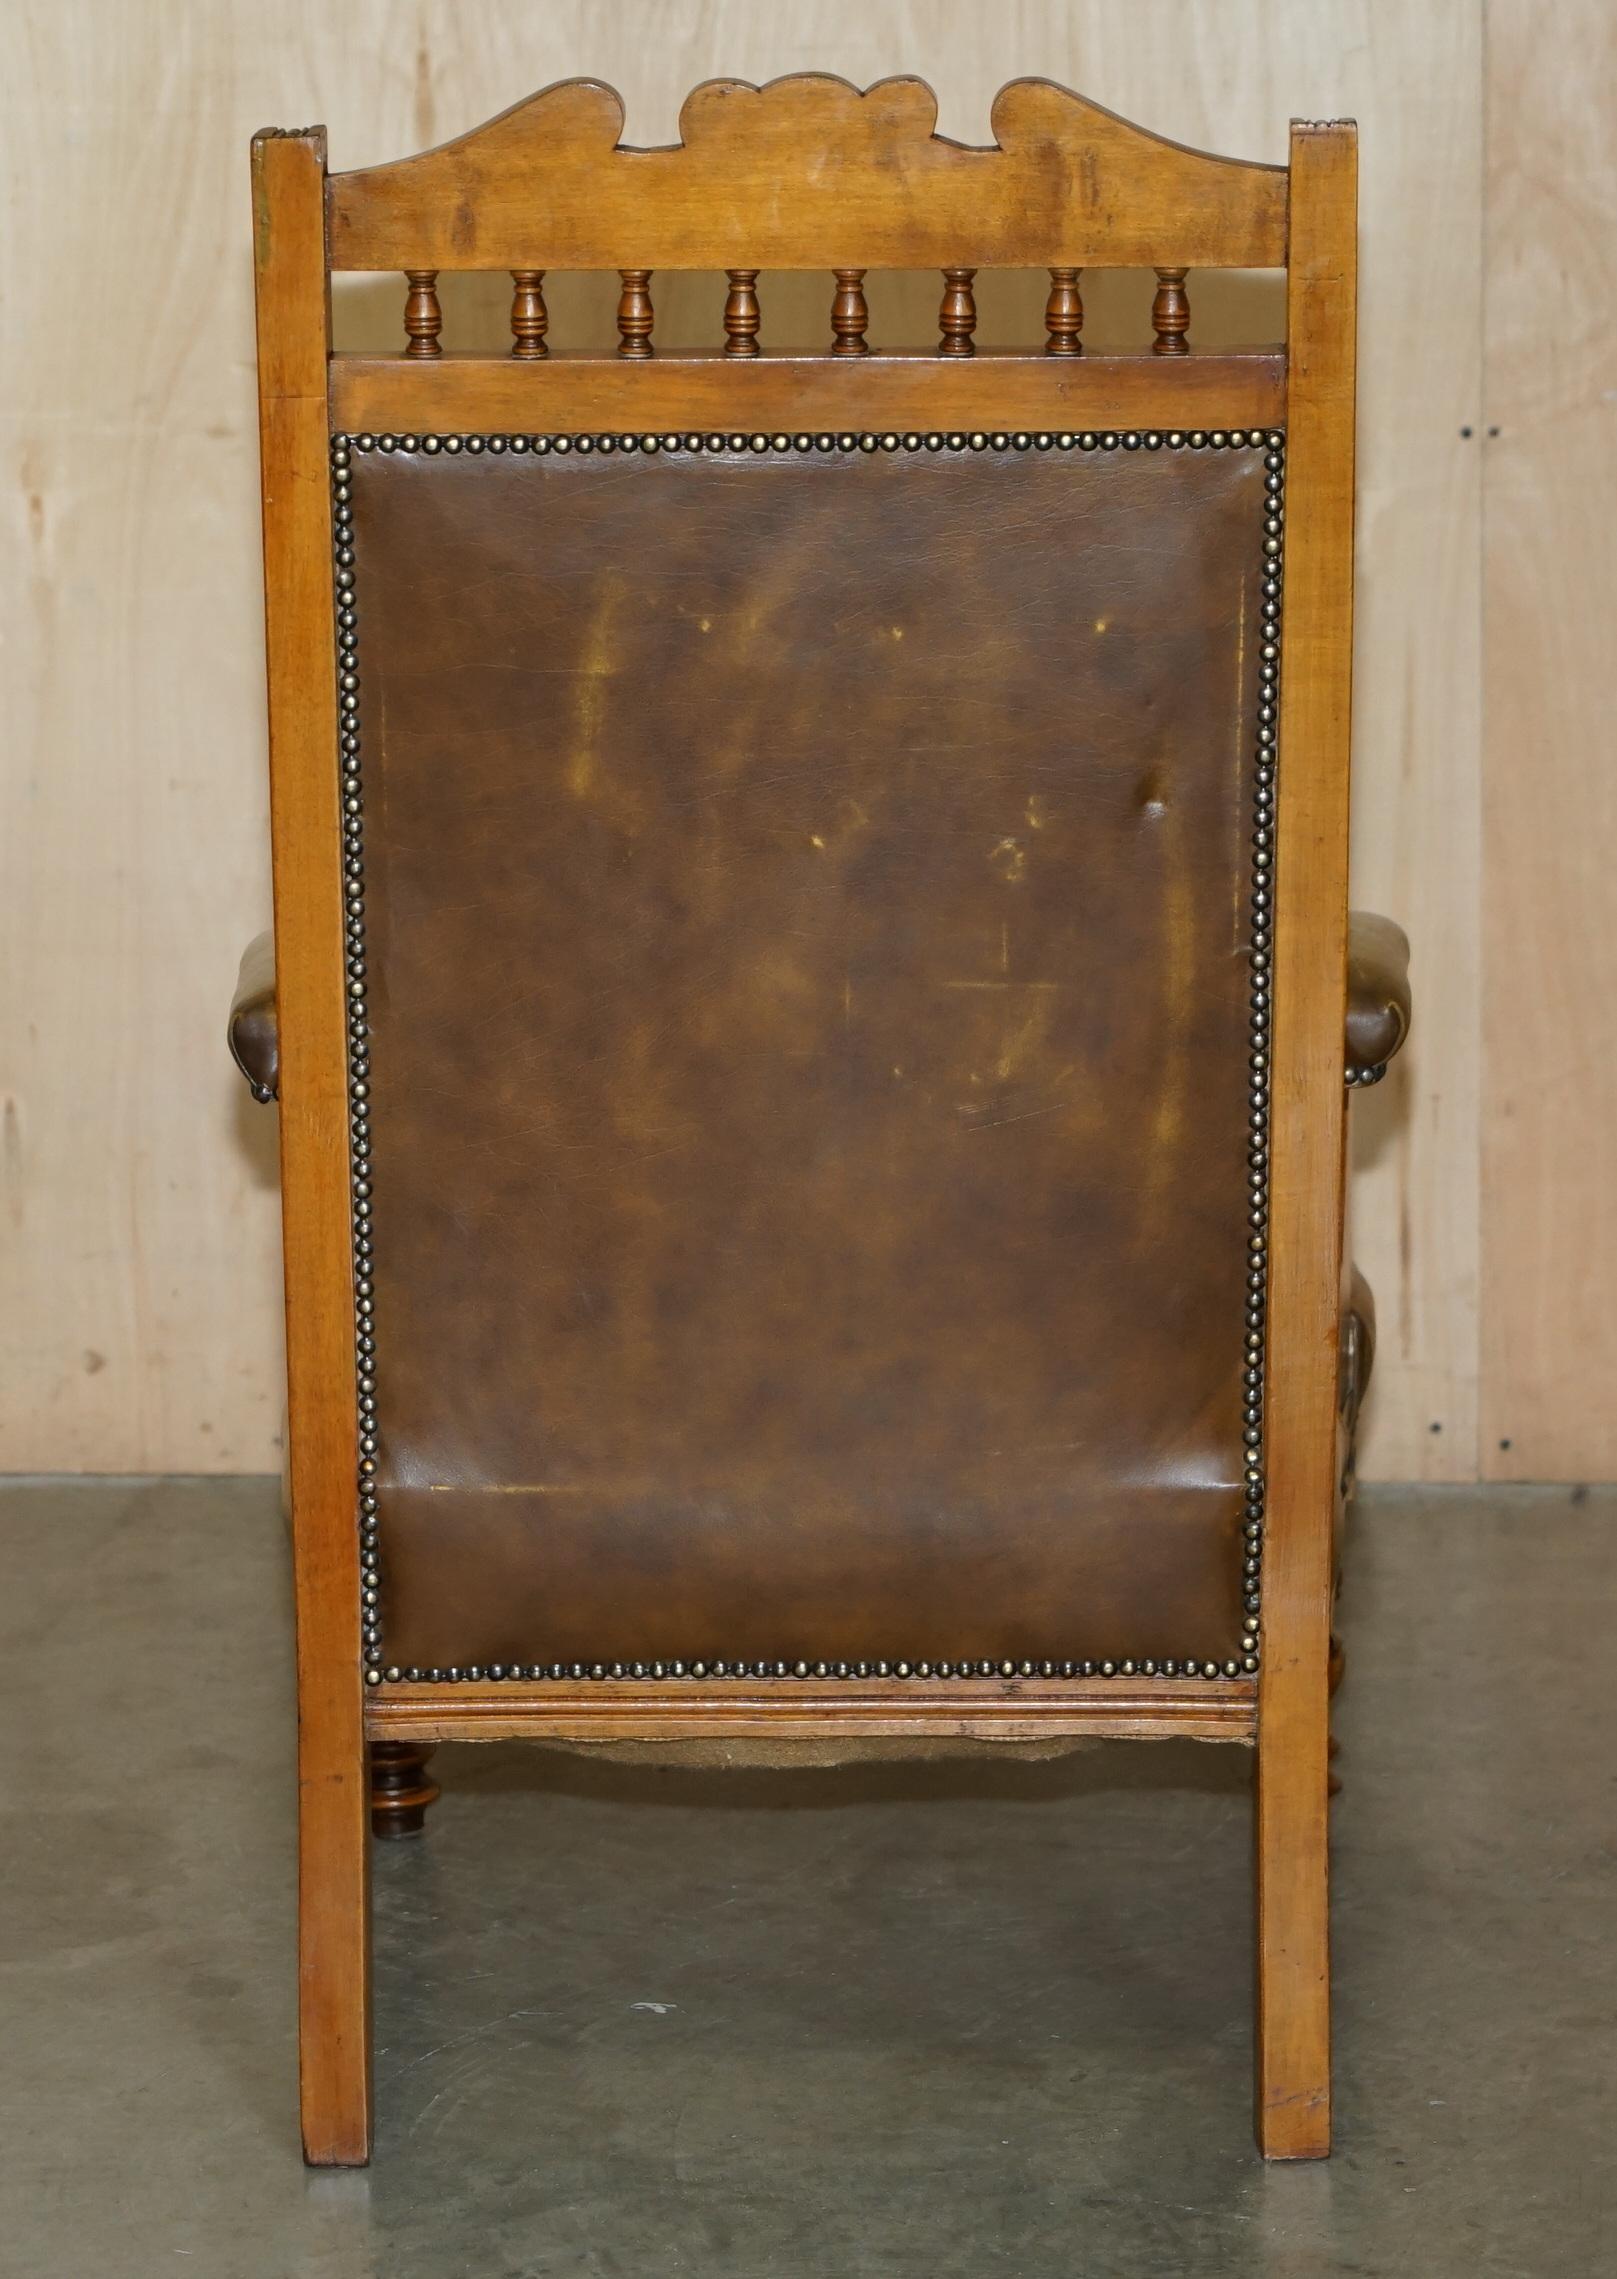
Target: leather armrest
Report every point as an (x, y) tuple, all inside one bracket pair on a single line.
[(1377, 995), (255, 1038), (1358, 1344)]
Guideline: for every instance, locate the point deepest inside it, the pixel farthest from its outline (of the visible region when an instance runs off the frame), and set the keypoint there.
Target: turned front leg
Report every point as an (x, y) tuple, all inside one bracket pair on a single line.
[(401, 1788)]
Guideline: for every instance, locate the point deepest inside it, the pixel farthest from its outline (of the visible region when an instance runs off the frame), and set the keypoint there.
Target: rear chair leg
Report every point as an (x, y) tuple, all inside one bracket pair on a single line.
[(334, 1941), (1293, 1974)]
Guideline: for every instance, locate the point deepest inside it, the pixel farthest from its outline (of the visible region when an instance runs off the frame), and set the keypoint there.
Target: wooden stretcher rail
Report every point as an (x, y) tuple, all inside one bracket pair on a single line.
[(503, 395), (812, 1709)]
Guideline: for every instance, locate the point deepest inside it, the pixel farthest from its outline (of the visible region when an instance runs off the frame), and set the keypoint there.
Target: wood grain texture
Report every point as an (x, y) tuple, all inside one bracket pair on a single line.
[(141, 1326), (802, 173), (138, 1242), (530, 319), (1019, 1710), (1417, 783), (333, 1791), (1064, 314), (1550, 817), (742, 316), (402, 1789), (423, 318), (391, 395), (1305, 1147)]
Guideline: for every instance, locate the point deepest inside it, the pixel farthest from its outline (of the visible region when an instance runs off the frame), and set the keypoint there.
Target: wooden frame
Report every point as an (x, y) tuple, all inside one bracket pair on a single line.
[(1069, 186)]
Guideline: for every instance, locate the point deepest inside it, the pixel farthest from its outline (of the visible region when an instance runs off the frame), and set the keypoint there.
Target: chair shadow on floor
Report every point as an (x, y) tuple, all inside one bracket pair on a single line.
[(731, 1984)]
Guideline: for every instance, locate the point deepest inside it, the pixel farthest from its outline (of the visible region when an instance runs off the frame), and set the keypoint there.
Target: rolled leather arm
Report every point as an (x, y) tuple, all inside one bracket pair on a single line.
[(1377, 995), (1358, 1344), (254, 1035)]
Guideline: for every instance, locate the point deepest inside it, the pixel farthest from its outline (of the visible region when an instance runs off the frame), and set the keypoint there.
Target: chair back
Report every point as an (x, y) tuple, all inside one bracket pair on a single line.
[(811, 901)]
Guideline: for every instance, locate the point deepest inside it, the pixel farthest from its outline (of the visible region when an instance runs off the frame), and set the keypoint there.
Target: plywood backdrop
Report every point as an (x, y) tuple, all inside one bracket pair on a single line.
[(139, 1318)]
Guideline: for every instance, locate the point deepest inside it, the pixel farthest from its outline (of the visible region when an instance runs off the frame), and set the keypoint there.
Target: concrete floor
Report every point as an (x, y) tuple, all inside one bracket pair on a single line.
[(940, 2020)]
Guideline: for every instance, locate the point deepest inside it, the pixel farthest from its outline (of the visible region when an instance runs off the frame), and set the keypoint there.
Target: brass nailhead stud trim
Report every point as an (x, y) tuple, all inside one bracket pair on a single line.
[(1272, 443)]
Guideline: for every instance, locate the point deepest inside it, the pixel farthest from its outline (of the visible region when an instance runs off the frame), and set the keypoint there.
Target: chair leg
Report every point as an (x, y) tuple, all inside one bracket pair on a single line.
[(334, 1944), (401, 1788), (1293, 1963)]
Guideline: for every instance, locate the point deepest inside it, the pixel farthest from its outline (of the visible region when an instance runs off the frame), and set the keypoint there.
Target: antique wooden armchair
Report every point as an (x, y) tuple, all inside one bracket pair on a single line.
[(811, 952)]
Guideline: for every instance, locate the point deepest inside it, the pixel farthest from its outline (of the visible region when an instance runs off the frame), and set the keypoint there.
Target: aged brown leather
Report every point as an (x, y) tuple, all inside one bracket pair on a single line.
[(806, 905), (255, 1040), (1358, 1343), (1378, 989), (1356, 1355)]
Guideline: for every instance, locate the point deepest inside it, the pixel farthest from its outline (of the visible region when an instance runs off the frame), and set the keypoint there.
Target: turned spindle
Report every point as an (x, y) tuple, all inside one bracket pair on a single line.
[(423, 319), (849, 315), (634, 313), (1064, 314), (741, 315), (1170, 313), (530, 319), (401, 1788), (957, 317)]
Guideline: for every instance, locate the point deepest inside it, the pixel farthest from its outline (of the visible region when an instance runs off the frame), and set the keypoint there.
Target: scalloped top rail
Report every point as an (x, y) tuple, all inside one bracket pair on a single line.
[(808, 172)]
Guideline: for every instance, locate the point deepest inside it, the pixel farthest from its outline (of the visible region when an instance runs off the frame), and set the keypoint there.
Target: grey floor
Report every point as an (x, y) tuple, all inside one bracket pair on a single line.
[(935, 2020)]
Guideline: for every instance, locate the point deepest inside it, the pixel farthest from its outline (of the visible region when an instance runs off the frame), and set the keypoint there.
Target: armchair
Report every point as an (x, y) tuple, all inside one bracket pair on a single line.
[(813, 969)]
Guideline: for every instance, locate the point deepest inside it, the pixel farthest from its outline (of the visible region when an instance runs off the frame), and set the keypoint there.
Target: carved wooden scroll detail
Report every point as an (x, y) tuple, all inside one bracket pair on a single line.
[(807, 172)]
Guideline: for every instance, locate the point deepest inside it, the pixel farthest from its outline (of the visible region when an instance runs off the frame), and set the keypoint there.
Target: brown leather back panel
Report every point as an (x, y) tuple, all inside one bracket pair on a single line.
[(805, 909)]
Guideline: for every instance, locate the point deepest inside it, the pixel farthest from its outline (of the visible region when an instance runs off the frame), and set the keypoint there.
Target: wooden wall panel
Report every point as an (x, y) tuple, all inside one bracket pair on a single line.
[(1549, 1250), (140, 1328), (1417, 729)]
